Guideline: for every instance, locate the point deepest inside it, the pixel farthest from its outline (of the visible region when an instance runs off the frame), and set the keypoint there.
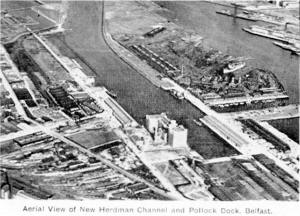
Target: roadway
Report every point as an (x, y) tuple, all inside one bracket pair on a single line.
[(225, 131)]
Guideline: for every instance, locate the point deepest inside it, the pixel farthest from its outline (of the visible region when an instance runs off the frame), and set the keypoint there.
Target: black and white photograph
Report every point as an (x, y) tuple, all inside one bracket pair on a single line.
[(175, 103)]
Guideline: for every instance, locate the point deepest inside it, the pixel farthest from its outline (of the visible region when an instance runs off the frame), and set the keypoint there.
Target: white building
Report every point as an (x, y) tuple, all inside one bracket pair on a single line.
[(152, 122), (177, 137), (166, 131)]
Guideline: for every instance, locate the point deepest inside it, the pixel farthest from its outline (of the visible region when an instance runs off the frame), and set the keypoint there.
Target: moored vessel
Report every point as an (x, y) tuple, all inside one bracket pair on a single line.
[(240, 15), (177, 94), (231, 67), (293, 47), (112, 94), (271, 32)]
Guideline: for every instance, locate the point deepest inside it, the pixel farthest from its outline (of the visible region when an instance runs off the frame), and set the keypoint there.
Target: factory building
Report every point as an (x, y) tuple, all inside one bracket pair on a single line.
[(152, 122), (166, 131), (177, 137)]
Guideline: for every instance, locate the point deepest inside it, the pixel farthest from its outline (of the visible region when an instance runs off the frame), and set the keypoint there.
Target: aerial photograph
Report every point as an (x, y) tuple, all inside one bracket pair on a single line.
[(150, 100)]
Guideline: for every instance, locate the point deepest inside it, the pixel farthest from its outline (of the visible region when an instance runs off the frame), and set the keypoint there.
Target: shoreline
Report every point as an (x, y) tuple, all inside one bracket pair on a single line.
[(118, 68), (228, 129), (152, 74)]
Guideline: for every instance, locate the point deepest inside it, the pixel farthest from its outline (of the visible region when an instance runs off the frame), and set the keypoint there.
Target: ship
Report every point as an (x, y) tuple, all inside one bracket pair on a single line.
[(231, 67), (265, 17), (270, 32), (240, 16), (293, 47)]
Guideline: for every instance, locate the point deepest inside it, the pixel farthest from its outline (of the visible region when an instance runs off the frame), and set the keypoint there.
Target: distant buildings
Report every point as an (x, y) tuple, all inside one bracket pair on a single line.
[(166, 131)]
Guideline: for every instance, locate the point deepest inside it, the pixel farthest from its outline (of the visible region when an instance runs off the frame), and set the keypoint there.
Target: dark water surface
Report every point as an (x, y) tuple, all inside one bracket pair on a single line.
[(288, 126), (13, 4), (226, 34), (136, 94)]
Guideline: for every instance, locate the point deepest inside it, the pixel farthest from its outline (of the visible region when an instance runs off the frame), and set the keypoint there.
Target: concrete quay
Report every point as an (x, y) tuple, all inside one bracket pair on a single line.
[(217, 122), (248, 146), (143, 68), (273, 113), (122, 116), (148, 72), (224, 159), (246, 99), (119, 112)]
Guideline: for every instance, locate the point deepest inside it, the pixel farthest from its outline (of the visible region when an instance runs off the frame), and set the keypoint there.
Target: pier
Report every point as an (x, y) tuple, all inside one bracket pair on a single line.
[(246, 99), (274, 113), (225, 133), (119, 112)]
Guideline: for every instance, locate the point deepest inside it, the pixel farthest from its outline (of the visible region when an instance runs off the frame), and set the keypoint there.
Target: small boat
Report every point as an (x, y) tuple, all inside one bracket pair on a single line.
[(231, 67), (224, 12), (112, 94), (240, 16), (177, 94), (288, 46), (197, 122)]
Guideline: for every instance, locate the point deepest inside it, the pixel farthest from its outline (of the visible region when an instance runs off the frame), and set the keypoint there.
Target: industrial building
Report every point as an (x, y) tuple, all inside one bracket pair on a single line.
[(177, 137), (166, 131)]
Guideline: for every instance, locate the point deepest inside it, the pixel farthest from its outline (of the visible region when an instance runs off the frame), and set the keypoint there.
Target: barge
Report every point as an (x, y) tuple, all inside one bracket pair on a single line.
[(270, 32), (240, 16), (293, 47)]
